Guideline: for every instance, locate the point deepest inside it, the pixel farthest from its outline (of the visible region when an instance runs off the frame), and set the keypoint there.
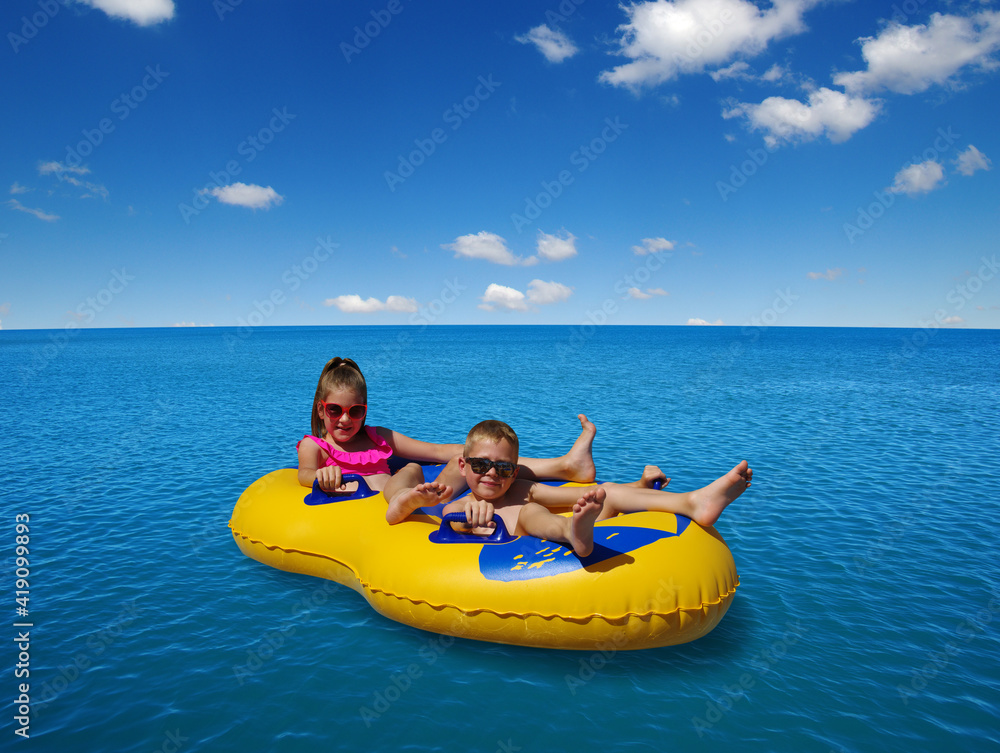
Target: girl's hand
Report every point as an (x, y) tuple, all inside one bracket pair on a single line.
[(330, 478)]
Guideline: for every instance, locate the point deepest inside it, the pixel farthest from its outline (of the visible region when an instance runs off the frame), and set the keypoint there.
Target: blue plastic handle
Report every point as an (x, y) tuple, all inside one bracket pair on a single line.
[(319, 497), (448, 535), (658, 484)]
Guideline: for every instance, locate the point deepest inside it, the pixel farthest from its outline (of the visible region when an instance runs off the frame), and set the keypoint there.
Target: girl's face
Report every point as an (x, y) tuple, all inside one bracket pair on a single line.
[(343, 427)]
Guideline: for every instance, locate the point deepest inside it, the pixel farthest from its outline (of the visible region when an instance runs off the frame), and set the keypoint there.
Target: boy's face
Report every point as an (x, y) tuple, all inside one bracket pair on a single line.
[(489, 486)]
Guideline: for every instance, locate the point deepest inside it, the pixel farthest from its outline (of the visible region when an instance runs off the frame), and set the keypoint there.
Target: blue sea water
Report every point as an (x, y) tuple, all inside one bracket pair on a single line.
[(868, 615)]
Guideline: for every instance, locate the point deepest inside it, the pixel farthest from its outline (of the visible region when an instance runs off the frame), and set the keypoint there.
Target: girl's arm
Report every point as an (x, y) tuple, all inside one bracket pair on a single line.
[(414, 449), (308, 461), (311, 466)]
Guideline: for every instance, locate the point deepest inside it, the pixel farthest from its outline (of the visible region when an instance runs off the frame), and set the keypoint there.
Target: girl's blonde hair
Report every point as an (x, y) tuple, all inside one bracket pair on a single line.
[(339, 373), (490, 431)]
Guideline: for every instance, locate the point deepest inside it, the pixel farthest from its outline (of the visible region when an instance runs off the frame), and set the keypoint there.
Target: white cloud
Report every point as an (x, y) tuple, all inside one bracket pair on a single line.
[(830, 274), (552, 43), (502, 297), (142, 12), (17, 188), (191, 324), (642, 295), (47, 168), (247, 195), (483, 245), (40, 214), (920, 178), (703, 323), (738, 70), (741, 71), (665, 39), (774, 73), (911, 59), (354, 304), (90, 189), (828, 112), (554, 248), (953, 320), (653, 245), (540, 293), (967, 163), (64, 173)]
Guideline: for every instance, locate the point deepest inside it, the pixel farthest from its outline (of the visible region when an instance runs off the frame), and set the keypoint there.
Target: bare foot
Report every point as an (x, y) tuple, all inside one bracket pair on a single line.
[(581, 528), (711, 500), (650, 474), (579, 460), (422, 495)]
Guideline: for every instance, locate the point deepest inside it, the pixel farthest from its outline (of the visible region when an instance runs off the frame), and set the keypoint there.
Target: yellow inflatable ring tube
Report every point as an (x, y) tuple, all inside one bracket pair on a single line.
[(654, 579)]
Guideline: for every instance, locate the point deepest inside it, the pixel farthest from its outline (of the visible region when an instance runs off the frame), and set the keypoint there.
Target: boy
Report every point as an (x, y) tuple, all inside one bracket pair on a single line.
[(488, 466)]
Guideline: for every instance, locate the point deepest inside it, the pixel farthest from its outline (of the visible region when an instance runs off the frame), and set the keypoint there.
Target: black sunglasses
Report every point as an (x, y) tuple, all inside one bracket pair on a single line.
[(482, 466)]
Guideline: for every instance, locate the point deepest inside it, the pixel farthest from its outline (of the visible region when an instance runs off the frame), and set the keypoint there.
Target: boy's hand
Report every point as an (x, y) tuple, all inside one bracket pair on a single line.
[(479, 514)]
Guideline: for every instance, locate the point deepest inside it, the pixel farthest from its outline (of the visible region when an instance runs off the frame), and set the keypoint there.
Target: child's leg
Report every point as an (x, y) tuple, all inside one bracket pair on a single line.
[(407, 490), (704, 506), (575, 465), (577, 530)]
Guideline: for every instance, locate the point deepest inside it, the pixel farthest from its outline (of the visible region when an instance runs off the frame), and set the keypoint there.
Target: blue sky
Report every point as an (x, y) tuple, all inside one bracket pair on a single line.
[(691, 162)]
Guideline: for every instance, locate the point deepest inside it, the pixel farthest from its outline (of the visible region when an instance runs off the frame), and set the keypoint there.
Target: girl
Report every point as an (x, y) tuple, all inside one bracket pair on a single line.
[(342, 443)]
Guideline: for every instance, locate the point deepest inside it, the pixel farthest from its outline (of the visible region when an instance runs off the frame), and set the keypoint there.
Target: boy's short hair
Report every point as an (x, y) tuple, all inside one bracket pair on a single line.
[(490, 431)]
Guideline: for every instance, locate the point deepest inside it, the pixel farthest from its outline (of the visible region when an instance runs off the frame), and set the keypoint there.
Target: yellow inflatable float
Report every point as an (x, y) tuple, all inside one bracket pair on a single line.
[(654, 578)]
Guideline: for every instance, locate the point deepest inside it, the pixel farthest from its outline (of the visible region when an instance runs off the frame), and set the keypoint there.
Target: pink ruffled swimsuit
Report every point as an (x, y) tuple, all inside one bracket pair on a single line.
[(364, 462)]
